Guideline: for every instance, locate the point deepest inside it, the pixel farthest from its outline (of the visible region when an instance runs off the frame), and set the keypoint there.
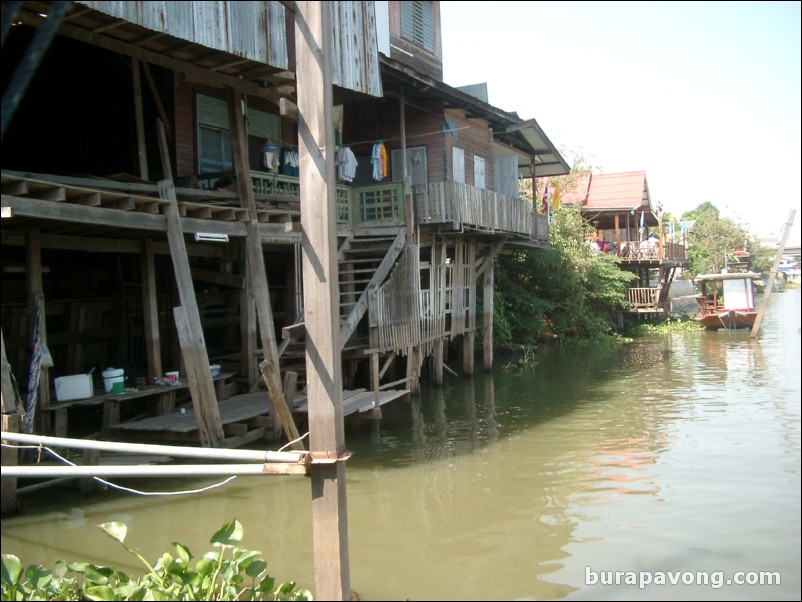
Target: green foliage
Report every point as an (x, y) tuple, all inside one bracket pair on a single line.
[(565, 293), (714, 240), (664, 326), (228, 572)]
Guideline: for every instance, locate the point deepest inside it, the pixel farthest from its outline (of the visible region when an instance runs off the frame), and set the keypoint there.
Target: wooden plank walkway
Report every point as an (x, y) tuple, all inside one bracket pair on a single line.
[(241, 408)]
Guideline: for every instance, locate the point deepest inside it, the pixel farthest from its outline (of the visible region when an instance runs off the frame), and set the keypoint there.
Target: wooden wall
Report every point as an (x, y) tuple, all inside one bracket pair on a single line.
[(476, 139)]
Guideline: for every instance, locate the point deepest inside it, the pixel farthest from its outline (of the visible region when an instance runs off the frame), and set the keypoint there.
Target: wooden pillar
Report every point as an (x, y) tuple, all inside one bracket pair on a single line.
[(36, 303), (409, 195), (150, 310), (8, 485), (487, 302), (190, 332), (142, 153), (321, 303), (617, 235), (10, 424), (248, 327)]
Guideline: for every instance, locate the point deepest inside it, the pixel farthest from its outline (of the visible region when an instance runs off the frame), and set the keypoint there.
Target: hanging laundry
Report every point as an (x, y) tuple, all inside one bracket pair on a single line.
[(269, 157), (289, 161), (378, 157), (346, 164)]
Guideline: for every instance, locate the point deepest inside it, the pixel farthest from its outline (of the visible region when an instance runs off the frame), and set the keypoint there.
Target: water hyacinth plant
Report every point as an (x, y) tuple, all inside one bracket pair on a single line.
[(227, 572)]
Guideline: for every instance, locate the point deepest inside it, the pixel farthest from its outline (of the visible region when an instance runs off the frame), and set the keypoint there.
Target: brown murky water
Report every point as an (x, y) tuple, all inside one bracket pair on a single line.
[(673, 457)]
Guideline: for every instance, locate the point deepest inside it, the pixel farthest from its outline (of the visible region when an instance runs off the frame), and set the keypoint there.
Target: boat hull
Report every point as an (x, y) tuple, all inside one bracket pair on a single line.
[(730, 319)]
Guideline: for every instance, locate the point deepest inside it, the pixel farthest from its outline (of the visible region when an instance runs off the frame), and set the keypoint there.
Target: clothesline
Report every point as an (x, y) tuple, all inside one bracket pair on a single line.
[(399, 137)]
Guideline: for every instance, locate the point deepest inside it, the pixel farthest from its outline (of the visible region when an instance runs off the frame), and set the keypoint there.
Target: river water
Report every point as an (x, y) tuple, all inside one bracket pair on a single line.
[(588, 473)]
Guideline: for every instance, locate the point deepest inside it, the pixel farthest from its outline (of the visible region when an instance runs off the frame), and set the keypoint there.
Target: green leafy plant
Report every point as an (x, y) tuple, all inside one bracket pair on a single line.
[(227, 572)]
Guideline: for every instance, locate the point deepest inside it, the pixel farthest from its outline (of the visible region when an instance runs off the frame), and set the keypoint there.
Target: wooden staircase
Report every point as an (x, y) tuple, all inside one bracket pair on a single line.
[(364, 263)]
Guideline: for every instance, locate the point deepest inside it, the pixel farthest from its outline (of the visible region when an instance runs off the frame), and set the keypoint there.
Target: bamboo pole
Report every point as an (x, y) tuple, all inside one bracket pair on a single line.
[(773, 275)]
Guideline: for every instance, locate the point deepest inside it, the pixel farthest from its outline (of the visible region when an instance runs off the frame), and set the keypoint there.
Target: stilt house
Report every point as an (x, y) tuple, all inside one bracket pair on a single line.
[(151, 209)]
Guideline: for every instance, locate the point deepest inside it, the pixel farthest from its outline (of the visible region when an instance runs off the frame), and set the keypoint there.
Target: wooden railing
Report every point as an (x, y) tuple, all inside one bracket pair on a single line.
[(642, 297), (463, 205), (650, 250), (460, 205)]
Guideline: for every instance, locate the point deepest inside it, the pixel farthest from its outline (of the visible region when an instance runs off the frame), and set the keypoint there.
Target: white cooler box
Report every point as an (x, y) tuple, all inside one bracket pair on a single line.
[(77, 386)]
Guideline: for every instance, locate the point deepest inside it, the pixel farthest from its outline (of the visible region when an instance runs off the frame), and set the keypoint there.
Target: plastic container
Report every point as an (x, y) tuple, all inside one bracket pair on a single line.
[(215, 370), (171, 378), (77, 386), (114, 380)]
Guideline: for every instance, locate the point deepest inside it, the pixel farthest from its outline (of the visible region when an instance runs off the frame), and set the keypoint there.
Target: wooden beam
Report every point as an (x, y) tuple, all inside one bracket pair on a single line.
[(142, 153), (190, 331), (258, 274), (156, 58), (157, 99), (321, 293), (8, 485), (150, 310), (487, 303)]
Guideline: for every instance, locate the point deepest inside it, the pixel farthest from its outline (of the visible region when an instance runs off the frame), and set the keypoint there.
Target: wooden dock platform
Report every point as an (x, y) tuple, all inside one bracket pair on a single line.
[(245, 417)]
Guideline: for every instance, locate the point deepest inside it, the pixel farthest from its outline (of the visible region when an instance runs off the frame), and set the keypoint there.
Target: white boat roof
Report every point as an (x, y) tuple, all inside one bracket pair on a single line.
[(728, 276)]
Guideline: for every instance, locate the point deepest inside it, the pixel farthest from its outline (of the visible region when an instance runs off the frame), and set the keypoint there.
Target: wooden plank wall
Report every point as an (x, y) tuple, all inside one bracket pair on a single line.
[(254, 30), (396, 309)]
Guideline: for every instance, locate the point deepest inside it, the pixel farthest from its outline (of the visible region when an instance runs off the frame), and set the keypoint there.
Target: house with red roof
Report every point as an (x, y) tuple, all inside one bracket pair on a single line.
[(627, 223)]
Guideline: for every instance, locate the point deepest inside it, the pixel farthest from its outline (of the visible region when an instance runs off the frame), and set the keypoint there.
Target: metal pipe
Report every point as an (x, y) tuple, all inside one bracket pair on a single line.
[(243, 455), (167, 470)]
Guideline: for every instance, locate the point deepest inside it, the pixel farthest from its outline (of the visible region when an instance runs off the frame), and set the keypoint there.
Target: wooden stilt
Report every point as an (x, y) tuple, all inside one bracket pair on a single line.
[(321, 300), (150, 311)]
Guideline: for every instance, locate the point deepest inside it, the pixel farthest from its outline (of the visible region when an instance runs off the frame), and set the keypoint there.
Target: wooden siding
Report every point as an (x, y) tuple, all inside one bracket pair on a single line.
[(476, 139), (413, 55), (257, 31), (395, 308), (356, 56), (253, 30)]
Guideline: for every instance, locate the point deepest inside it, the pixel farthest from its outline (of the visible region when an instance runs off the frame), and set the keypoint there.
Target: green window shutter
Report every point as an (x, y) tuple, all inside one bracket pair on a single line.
[(214, 133), (417, 23)]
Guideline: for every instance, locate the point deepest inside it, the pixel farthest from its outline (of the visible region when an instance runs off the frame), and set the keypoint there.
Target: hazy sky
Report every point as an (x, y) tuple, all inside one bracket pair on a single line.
[(702, 96)]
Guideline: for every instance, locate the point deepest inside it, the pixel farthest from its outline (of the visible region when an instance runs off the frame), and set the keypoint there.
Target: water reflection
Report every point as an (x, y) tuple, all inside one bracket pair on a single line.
[(677, 452)]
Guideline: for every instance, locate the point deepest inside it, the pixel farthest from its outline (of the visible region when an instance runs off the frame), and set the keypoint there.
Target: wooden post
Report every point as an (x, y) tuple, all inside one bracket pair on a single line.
[(37, 303), (258, 274), (8, 485), (150, 310), (487, 299), (164, 151), (767, 293), (321, 303), (10, 419), (190, 332), (142, 152)]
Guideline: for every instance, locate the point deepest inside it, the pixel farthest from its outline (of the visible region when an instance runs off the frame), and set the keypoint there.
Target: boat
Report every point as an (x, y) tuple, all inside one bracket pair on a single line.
[(727, 300)]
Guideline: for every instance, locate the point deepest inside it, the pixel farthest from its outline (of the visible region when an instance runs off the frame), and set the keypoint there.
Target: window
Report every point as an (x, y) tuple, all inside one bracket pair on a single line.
[(417, 23), (458, 164), (214, 133), (479, 172), (416, 165)]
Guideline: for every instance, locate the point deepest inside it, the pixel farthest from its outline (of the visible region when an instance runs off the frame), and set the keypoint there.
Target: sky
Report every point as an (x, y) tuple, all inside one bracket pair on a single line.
[(704, 97)]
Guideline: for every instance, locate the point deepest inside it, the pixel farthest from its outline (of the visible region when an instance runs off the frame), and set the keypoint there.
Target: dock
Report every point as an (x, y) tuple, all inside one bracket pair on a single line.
[(245, 418)]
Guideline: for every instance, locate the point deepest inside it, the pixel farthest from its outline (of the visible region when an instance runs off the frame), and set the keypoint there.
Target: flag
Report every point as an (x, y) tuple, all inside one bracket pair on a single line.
[(555, 199), (642, 224), (544, 203)]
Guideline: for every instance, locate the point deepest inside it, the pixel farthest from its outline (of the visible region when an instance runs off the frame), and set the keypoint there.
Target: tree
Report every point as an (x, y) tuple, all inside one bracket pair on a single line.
[(567, 292), (713, 240)]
